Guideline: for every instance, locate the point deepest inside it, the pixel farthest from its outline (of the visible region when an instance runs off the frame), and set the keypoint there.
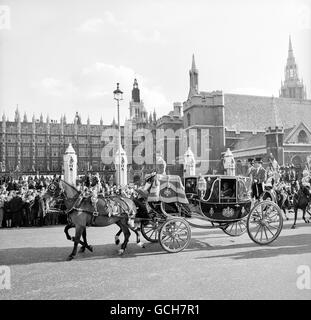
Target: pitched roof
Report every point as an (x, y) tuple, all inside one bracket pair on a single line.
[(255, 141), (253, 113)]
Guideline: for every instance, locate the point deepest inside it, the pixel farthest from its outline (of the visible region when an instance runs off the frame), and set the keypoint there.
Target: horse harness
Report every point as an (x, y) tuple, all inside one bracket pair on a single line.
[(114, 208)]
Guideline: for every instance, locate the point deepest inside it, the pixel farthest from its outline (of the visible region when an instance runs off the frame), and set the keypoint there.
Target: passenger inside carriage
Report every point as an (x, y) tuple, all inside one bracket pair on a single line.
[(227, 190)]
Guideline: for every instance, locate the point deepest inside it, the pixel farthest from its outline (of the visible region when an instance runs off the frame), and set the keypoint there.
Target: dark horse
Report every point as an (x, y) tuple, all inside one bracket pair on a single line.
[(84, 215), (301, 201), (283, 200)]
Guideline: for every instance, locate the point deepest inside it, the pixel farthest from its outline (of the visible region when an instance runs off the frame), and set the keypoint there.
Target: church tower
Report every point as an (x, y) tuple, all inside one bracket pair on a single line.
[(204, 130), (292, 87)]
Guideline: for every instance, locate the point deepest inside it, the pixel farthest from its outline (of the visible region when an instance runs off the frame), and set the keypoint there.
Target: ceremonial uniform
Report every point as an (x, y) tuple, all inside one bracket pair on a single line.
[(258, 176), (293, 180)]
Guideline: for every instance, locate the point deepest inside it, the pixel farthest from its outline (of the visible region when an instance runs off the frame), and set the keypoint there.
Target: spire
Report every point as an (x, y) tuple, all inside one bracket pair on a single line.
[(193, 67), (33, 118), (154, 116), (290, 47), (88, 120), (47, 119), (101, 122), (3, 117), (41, 118), (25, 117), (292, 86), (290, 57), (17, 115), (194, 79)]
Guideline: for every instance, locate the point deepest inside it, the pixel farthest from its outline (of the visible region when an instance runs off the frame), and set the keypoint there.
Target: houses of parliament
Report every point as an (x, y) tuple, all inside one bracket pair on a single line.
[(251, 126)]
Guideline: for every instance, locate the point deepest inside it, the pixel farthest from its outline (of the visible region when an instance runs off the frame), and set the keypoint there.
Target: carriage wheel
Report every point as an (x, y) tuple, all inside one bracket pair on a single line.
[(150, 230), (175, 235), (265, 222), (236, 229)]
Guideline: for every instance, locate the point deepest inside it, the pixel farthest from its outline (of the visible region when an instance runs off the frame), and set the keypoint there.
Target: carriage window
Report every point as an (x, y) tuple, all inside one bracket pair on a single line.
[(191, 185), (228, 190), (212, 189), (209, 185)]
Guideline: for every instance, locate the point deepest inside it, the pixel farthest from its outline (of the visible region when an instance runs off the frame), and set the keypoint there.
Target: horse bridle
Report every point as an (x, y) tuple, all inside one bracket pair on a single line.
[(52, 189)]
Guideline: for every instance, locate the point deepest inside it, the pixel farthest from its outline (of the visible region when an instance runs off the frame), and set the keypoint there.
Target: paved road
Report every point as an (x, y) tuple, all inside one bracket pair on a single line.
[(214, 266)]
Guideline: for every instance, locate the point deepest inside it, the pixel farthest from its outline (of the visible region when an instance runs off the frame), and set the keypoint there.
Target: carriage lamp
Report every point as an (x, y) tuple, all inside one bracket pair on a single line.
[(202, 187)]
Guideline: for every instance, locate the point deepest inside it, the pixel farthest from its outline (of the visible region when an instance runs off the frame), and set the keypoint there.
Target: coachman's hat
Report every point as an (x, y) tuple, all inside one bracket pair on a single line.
[(251, 160), (259, 160)]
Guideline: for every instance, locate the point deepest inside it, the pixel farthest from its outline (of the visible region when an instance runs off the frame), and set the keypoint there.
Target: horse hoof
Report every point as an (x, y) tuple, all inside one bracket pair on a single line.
[(121, 252), (69, 258), (140, 244), (117, 242), (82, 250), (293, 227)]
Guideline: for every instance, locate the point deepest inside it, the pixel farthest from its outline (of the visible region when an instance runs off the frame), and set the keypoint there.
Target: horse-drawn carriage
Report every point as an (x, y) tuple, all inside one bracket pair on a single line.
[(223, 201), (165, 210)]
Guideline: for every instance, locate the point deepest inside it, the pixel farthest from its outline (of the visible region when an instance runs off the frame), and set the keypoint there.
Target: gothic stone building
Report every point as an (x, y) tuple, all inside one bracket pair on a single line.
[(251, 126)]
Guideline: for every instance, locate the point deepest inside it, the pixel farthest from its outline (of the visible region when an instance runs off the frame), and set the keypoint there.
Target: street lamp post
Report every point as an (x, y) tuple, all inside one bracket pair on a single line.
[(118, 95)]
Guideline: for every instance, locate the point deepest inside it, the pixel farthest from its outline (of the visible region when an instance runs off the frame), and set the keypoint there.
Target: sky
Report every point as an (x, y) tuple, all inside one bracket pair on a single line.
[(58, 57)]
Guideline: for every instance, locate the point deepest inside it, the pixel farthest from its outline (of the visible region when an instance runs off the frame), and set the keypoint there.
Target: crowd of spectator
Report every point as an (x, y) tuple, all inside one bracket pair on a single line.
[(22, 203)]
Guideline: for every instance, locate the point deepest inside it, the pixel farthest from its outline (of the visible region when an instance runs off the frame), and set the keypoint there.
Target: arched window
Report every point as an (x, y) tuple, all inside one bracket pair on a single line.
[(188, 120), (302, 137)]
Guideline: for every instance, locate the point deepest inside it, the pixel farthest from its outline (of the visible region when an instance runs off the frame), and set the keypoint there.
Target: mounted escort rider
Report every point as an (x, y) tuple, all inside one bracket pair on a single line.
[(93, 191)]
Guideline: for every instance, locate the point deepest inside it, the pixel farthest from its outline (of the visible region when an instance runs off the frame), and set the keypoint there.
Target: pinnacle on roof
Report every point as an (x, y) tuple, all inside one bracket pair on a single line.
[(290, 50), (193, 66), (290, 47)]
